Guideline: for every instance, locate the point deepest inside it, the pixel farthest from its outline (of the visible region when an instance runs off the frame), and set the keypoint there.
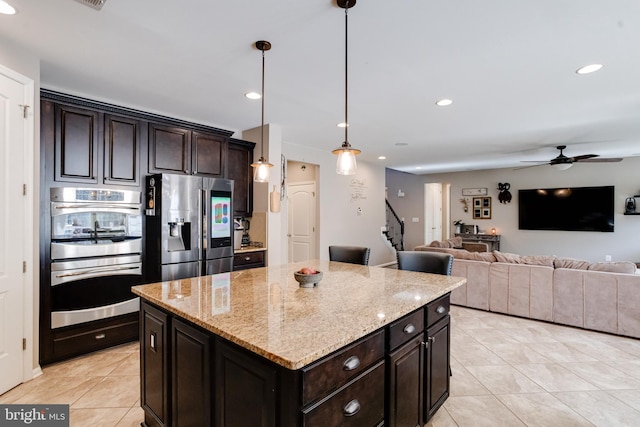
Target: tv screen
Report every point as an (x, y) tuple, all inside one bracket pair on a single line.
[(570, 209)]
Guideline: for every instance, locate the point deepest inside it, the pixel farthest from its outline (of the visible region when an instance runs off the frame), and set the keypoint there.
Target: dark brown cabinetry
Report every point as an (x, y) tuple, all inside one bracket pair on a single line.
[(396, 376), (76, 144), (121, 150), (179, 150), (191, 378), (418, 365), (246, 260), (492, 240), (245, 388), (239, 159)]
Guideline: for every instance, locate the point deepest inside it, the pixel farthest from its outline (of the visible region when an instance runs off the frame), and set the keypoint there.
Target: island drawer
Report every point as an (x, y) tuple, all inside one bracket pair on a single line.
[(437, 309), (327, 375), (358, 403), (404, 329)]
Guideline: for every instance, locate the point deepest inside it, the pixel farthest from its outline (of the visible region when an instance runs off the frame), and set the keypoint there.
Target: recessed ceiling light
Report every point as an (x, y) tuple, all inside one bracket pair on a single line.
[(418, 167), (591, 68), (343, 125), (252, 95), (6, 8), (444, 102), (381, 157)]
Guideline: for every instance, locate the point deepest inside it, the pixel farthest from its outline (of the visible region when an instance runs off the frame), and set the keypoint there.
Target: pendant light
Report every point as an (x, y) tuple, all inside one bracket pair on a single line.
[(261, 167), (346, 164)]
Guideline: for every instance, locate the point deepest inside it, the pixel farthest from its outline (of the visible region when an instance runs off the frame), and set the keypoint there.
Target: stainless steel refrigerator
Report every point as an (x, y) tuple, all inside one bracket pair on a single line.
[(188, 226)]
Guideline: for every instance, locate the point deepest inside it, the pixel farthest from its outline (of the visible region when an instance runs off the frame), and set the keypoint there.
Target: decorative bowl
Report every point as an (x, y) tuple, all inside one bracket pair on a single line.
[(308, 280)]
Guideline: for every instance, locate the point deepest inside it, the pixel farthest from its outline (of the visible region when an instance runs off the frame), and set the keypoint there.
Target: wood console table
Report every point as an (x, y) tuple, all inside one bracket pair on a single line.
[(492, 240)]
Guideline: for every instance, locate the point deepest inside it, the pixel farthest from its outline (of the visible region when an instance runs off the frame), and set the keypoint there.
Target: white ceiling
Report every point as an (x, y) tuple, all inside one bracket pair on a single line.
[(509, 67)]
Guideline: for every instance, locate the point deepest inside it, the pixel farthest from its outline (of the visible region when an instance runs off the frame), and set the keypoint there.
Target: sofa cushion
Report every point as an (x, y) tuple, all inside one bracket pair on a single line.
[(577, 264), (614, 267), (545, 260), (436, 244), (483, 256)]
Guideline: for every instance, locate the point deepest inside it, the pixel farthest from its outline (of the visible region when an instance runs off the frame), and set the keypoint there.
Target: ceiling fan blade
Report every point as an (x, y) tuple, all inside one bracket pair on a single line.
[(584, 157), (542, 162), (530, 166), (602, 160)]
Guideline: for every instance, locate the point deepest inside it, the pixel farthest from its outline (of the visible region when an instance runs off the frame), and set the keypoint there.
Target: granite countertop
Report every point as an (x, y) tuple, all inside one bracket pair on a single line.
[(265, 310)]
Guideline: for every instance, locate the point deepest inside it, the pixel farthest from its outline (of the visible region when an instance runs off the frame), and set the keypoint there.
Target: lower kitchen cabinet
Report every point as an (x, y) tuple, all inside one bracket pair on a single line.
[(396, 376), (246, 260)]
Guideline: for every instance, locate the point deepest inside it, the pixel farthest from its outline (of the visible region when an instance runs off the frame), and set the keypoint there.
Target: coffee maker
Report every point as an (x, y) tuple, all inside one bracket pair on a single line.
[(245, 235)]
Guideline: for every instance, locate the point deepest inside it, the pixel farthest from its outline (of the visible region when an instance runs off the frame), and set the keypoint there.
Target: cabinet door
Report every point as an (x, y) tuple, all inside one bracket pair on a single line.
[(154, 366), (239, 158), (437, 369), (121, 150), (405, 383), (190, 376), (169, 149), (76, 144), (245, 389), (207, 154)]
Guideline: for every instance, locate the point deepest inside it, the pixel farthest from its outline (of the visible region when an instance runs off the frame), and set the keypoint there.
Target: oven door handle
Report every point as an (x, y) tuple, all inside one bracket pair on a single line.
[(62, 277), (97, 206)]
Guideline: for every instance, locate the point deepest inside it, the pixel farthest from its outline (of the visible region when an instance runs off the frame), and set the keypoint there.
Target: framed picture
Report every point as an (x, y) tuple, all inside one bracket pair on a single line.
[(482, 208)]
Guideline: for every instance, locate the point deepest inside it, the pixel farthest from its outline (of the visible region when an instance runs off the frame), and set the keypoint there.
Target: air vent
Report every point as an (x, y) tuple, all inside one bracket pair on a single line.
[(94, 4)]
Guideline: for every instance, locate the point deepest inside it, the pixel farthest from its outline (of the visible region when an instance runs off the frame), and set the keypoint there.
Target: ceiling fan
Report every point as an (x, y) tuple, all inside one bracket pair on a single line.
[(563, 162)]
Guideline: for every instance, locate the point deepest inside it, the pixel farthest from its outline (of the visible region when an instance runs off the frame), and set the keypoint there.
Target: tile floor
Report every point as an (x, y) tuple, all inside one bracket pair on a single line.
[(507, 371)]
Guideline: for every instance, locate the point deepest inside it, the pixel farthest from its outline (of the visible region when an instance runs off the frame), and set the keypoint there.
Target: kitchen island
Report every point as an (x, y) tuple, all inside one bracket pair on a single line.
[(367, 346)]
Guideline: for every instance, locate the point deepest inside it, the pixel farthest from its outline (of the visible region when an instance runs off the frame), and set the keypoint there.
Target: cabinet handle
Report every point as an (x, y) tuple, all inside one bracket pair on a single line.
[(247, 258), (441, 309), (351, 408), (100, 336), (152, 341), (432, 340), (351, 363), (409, 329)]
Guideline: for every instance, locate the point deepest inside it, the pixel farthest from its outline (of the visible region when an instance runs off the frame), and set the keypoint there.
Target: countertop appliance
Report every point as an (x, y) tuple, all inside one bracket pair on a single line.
[(189, 226), (238, 232), (246, 239), (96, 254)]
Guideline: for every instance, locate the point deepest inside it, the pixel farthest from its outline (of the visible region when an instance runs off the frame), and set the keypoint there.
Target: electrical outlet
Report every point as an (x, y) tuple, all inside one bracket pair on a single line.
[(415, 219), (607, 257)]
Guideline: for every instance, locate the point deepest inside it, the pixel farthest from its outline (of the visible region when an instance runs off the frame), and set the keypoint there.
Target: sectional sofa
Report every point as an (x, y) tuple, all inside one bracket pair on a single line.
[(598, 296)]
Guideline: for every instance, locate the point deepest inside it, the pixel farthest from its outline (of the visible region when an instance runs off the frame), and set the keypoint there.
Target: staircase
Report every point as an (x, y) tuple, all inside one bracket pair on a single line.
[(395, 228)]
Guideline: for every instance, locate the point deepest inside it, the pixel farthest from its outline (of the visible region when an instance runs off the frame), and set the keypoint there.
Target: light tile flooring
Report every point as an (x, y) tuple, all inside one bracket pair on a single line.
[(507, 371)]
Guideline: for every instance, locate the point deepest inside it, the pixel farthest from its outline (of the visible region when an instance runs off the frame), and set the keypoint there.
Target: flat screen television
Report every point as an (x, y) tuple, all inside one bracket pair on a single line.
[(569, 209)]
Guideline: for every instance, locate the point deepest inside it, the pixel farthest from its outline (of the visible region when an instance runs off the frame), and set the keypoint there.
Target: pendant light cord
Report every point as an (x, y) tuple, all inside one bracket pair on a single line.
[(262, 122), (346, 74)]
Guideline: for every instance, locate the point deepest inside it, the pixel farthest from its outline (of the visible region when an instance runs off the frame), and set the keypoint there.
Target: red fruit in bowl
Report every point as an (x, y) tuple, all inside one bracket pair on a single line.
[(308, 270)]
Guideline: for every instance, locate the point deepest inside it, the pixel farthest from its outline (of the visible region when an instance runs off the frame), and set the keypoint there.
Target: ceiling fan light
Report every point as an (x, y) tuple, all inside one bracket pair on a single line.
[(561, 166)]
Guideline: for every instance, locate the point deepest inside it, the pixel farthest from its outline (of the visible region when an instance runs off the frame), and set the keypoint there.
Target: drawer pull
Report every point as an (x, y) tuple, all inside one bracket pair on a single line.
[(247, 258), (351, 408), (441, 309), (409, 329), (100, 336), (351, 363)]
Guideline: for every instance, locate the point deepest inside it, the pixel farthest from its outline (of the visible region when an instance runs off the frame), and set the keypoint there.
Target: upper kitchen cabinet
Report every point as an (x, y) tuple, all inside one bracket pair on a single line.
[(180, 150), (121, 150), (208, 154), (169, 149), (76, 133), (240, 157)]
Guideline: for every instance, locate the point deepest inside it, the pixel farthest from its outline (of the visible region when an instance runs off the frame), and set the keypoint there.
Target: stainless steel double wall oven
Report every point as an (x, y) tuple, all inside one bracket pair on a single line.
[(96, 254)]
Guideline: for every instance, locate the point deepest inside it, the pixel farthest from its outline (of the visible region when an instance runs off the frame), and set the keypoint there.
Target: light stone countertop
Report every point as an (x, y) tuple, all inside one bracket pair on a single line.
[(265, 310), (249, 249)]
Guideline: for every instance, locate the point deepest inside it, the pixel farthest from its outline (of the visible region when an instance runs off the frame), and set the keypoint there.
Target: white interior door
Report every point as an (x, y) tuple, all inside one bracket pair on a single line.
[(12, 230), (432, 212), (302, 221)]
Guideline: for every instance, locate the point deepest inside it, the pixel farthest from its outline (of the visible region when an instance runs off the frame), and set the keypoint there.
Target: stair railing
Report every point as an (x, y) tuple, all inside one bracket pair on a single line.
[(395, 228)]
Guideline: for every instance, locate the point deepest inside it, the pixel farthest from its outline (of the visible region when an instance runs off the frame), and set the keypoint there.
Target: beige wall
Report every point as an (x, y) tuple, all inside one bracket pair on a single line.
[(622, 244)]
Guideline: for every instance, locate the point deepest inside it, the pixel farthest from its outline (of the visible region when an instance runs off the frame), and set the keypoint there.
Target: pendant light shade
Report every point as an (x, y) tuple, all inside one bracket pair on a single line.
[(346, 164), (262, 166)]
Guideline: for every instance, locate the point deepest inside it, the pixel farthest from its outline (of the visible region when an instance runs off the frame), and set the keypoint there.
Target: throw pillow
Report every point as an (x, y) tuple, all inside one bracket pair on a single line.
[(614, 267), (545, 260), (436, 244), (507, 257), (576, 264)]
